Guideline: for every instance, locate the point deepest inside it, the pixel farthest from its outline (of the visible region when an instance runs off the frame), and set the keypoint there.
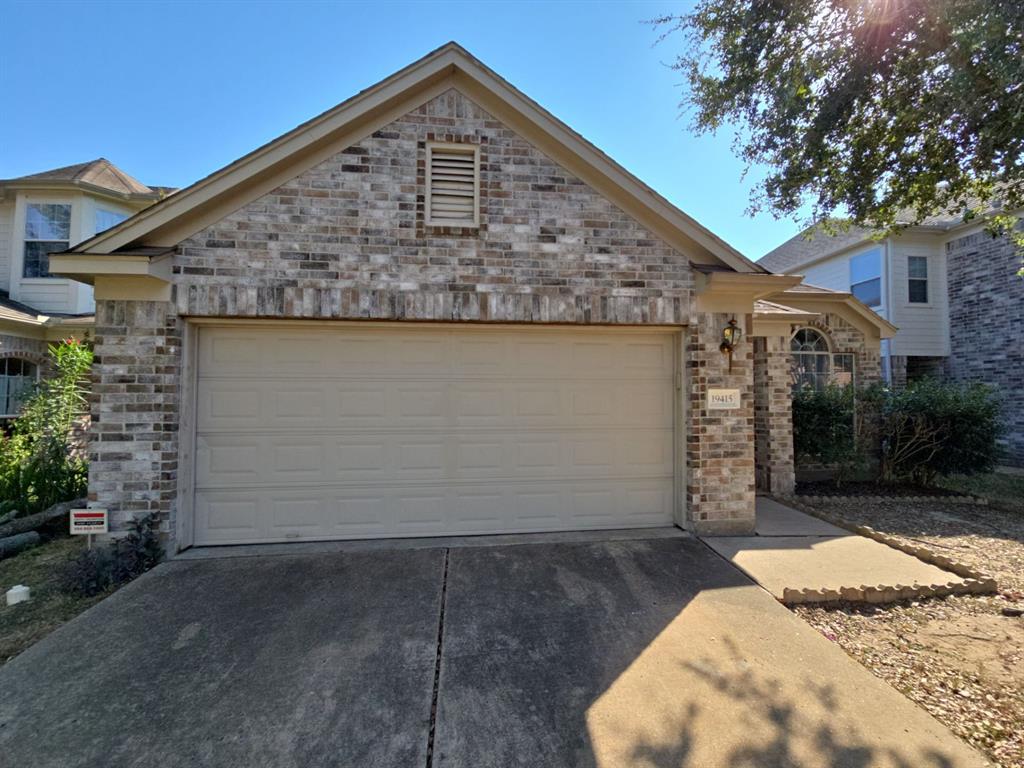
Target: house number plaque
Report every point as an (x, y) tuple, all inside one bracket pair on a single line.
[(723, 399)]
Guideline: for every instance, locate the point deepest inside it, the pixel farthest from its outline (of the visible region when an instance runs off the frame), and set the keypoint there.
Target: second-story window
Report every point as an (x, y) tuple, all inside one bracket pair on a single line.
[(107, 219), (47, 230), (866, 277), (917, 279)]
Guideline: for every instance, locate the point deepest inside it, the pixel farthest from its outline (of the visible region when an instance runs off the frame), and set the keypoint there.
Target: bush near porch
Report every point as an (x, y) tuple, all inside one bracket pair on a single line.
[(915, 435)]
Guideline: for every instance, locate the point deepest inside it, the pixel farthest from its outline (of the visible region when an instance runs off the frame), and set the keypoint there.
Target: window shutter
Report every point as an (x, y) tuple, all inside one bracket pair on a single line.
[(453, 185)]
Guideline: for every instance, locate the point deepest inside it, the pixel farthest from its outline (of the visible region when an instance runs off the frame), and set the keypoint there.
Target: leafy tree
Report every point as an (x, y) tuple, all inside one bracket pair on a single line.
[(876, 111)]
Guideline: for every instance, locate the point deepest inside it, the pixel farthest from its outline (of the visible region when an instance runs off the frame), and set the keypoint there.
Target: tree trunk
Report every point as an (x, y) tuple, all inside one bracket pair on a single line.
[(12, 545), (31, 522)]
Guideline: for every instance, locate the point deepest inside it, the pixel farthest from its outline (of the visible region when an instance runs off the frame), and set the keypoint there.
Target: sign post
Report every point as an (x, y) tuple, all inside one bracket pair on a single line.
[(88, 522)]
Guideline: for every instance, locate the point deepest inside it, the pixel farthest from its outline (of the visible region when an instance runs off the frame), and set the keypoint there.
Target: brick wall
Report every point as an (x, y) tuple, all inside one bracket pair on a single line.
[(926, 367), (35, 350), (898, 370), (719, 444), (986, 318), (346, 240), (773, 414), (134, 442)]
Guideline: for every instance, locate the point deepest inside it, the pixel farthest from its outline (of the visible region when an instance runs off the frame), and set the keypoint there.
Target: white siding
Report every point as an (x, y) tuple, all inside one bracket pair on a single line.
[(81, 296), (50, 295), (924, 328), (47, 295), (832, 273), (6, 236)]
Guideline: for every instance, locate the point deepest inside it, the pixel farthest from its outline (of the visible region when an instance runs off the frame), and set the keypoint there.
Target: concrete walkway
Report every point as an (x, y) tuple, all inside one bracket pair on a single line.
[(794, 551)]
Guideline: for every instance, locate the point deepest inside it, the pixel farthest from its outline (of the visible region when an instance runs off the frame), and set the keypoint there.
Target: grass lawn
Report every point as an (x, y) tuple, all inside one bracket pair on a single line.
[(26, 623), (1004, 490)]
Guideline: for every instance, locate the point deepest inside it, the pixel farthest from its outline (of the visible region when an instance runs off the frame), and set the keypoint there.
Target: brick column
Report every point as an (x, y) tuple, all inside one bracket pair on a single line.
[(134, 441), (898, 366), (773, 415), (719, 443)]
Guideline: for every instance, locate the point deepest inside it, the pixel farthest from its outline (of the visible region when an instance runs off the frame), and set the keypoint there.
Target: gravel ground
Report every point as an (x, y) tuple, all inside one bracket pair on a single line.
[(959, 657)]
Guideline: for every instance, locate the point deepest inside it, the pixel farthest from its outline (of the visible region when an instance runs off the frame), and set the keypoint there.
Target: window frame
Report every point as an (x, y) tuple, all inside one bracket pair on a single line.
[(879, 255), (98, 211), (4, 374), (457, 148), (830, 375), (825, 354), (912, 279), (25, 239)]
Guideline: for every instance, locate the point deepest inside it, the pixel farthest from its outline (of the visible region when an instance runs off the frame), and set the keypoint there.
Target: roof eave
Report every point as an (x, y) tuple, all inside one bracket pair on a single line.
[(76, 185), (813, 300)]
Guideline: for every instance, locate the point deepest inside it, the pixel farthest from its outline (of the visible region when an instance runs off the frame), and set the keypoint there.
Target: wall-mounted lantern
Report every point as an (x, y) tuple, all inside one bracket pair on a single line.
[(731, 336)]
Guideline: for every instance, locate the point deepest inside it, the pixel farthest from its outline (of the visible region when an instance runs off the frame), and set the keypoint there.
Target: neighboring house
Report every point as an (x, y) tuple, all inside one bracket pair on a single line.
[(40, 214), (950, 287), (436, 309)]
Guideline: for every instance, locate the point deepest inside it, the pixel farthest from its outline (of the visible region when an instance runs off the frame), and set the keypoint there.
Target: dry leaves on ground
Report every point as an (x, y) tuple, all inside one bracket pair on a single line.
[(958, 657)]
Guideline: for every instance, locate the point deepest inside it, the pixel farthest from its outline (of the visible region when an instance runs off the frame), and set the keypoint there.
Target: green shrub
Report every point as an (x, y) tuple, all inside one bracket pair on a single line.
[(931, 429), (825, 429), (97, 570), (39, 465)]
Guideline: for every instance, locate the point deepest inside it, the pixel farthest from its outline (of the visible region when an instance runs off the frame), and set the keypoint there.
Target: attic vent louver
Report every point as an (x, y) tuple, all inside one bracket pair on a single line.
[(453, 185)]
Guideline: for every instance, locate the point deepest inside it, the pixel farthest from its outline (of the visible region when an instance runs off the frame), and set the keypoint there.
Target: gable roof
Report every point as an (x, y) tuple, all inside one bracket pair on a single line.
[(450, 66), (16, 312), (805, 296), (810, 245), (99, 174)]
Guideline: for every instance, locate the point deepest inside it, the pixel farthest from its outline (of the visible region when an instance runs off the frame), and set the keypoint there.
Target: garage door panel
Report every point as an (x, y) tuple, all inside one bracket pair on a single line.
[(361, 457), (228, 518), (358, 513), (392, 432), (298, 511), (281, 515)]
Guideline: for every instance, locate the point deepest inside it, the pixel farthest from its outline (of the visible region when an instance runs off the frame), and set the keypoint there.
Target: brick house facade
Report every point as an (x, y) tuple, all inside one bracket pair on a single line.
[(344, 238), (951, 288), (986, 315)]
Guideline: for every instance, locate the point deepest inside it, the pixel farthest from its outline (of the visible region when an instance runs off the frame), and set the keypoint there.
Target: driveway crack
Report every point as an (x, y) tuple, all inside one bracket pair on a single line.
[(437, 663)]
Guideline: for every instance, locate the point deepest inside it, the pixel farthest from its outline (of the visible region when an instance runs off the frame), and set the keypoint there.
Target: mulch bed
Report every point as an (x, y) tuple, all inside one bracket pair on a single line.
[(959, 657)]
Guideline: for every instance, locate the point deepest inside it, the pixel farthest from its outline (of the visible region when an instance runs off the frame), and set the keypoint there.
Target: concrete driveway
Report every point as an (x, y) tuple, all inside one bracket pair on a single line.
[(630, 652)]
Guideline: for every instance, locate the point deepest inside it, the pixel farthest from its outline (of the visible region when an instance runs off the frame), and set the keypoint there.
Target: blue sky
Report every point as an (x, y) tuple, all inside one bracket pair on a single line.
[(172, 91)]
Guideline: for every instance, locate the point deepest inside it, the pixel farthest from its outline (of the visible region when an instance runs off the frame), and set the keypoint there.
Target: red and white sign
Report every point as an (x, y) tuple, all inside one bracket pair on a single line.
[(88, 521)]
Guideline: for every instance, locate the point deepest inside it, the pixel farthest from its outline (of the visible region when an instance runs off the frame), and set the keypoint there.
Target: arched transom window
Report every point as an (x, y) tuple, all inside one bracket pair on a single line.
[(17, 378), (814, 363)]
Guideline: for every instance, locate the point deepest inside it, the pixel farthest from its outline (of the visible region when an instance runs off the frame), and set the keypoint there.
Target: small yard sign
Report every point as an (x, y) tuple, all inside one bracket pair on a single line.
[(723, 399), (88, 521)]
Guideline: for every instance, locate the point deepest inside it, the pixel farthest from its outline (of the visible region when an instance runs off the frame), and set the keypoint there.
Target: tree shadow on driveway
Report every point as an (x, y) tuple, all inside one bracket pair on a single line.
[(654, 653)]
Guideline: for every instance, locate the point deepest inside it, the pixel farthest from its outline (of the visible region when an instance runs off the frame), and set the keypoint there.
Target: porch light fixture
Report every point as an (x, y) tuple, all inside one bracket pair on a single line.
[(731, 336)]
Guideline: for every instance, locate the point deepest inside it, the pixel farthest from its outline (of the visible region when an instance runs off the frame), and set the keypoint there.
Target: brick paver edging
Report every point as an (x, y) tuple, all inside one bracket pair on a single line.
[(974, 582)]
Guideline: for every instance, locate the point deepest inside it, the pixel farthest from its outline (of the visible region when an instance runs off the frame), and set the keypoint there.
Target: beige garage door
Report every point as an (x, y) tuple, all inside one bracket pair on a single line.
[(313, 432)]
